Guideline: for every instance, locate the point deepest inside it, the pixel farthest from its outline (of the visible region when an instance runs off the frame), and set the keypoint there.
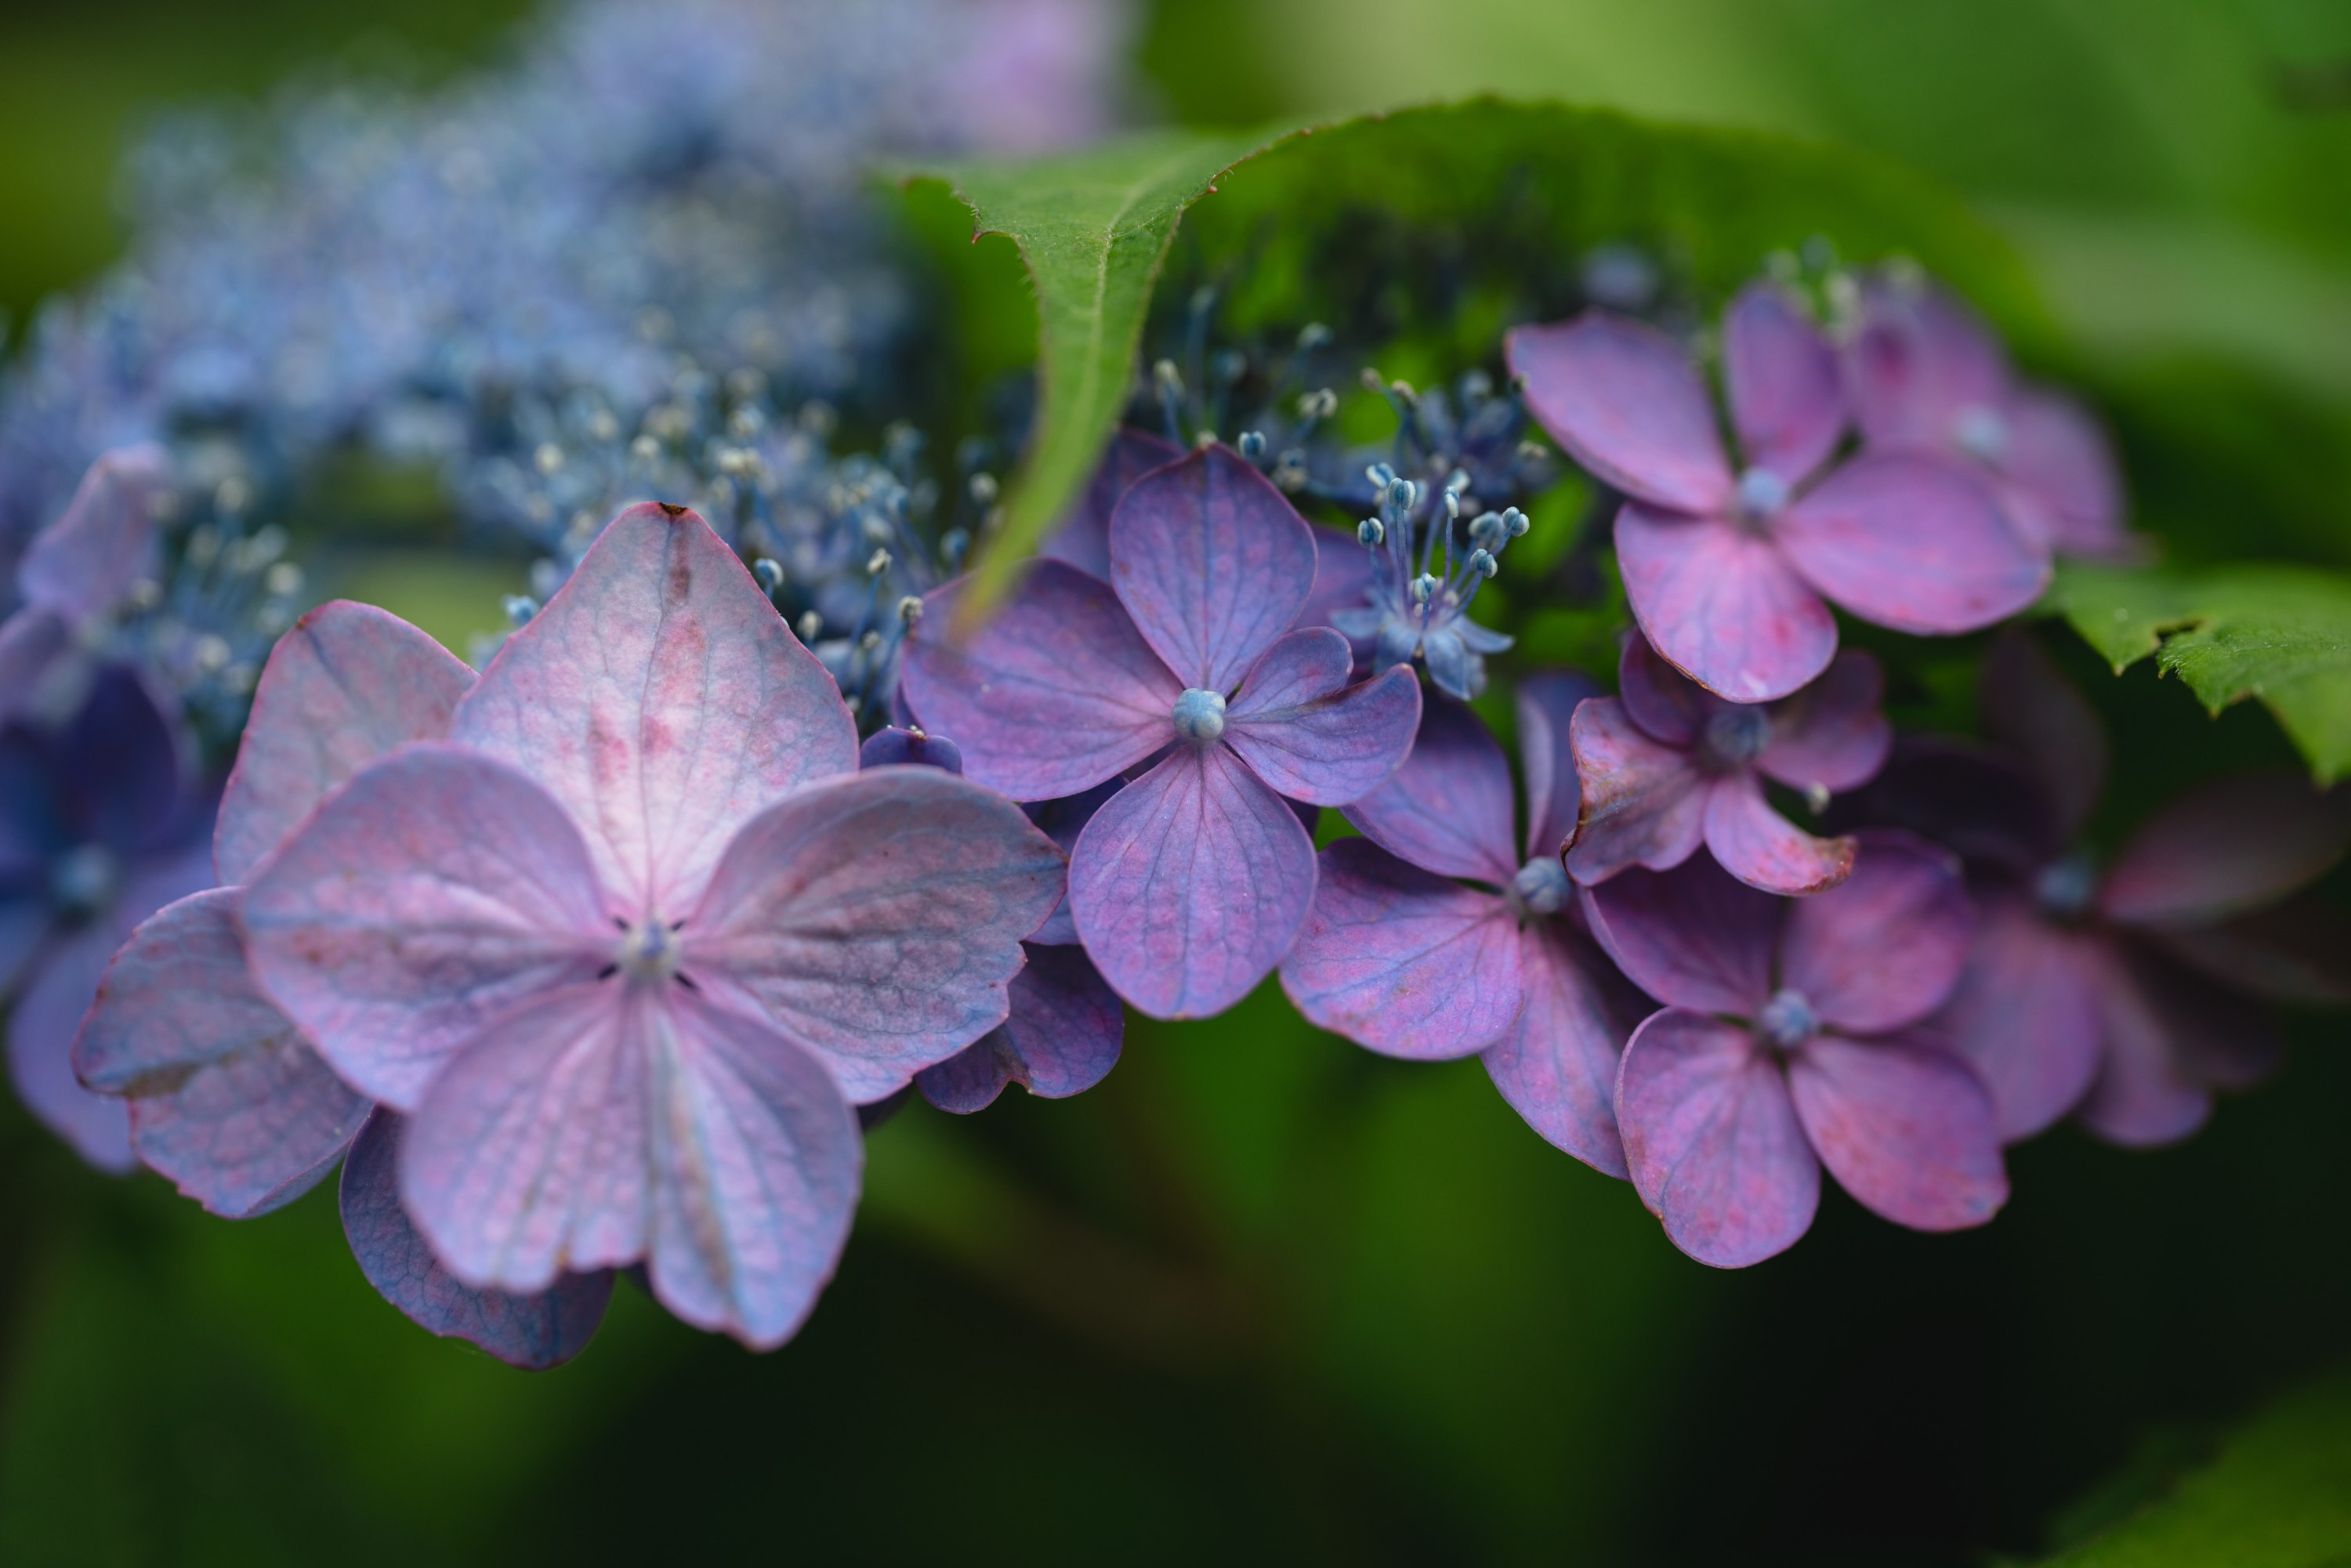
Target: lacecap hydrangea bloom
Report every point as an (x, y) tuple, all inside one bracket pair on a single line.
[(1729, 571), (1187, 886), (1431, 937), (1790, 1039)]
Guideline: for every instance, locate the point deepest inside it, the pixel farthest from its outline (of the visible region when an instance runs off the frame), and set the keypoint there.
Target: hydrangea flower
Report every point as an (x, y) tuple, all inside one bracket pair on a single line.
[(1082, 539), (2122, 992), (1431, 937), (1670, 765), (80, 568), (627, 947), (1790, 1039), (1189, 885), (102, 822), (1728, 568), (224, 1096), (1416, 614), (1063, 1034), (1928, 374)]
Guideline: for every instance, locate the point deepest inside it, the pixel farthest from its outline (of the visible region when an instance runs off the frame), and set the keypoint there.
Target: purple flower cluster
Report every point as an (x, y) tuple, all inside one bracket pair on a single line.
[(591, 961)]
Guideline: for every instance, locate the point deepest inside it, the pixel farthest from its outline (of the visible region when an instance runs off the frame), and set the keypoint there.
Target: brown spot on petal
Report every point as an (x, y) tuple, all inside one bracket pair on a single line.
[(675, 511)]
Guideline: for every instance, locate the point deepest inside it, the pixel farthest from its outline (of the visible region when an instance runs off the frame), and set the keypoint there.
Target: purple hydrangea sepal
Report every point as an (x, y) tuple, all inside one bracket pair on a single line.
[(1063, 1032), (225, 1097), (627, 947), (81, 566), (1437, 935), (1189, 885), (1928, 374), (1670, 765), (534, 1332), (2127, 993), (1789, 1040), (101, 824), (1729, 571), (1082, 537)]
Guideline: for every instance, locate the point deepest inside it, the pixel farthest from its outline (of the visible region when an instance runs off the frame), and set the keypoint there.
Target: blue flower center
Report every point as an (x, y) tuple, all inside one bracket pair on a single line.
[(2065, 888), (1542, 886), (84, 879), (650, 950), (1982, 433), (1736, 736), (1788, 1020), (1200, 715), (1761, 494)]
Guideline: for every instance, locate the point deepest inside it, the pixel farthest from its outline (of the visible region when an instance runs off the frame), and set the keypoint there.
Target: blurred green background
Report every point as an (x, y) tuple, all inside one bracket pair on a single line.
[(1263, 1296)]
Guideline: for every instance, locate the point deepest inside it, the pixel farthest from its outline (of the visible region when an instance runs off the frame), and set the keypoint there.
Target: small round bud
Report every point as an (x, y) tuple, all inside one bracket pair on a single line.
[(810, 623), (1380, 475), (284, 580), (519, 608), (770, 573), (547, 458), (909, 609), (1424, 587), (1370, 532), (1199, 715), (1319, 403), (213, 654), (1170, 380), (877, 563), (1483, 563), (1515, 521), (1252, 445), (983, 488), (1313, 336), (1486, 531), (1787, 1020)]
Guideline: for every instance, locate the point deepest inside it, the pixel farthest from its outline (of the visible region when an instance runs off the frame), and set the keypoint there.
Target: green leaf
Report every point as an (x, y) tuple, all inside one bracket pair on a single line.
[(2281, 634), (1093, 228), (1496, 191), (2277, 1495)]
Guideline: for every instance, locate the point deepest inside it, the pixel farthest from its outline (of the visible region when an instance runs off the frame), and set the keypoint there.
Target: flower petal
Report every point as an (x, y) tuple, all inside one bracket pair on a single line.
[(1643, 802), (31, 641), (1712, 1141), (661, 698), (1557, 1065), (1063, 820), (1904, 1127), (1403, 962), (1628, 404), (1343, 578), (1911, 543), (2228, 845), (1831, 736), (1964, 796), (2063, 471), (1763, 849), (534, 1332), (2029, 706), (1190, 883), (1054, 693), (82, 565), (1061, 1039), (226, 1098), (894, 747), (2025, 1014), (2165, 1039), (346, 684), (48, 1013), (1921, 358), (1884, 948), (2298, 951), (600, 1125), (1213, 563), (121, 765), (1781, 377), (1547, 701), (1668, 705), (1083, 536), (1691, 936), (432, 891), (876, 920), (1448, 809), (1313, 737), (1720, 605)]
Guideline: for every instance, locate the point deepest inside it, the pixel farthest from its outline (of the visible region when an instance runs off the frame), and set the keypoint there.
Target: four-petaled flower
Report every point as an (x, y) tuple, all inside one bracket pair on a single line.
[(1189, 885), (1432, 938), (1670, 765), (1926, 374), (1788, 1041), (2122, 993), (629, 944), (224, 1096), (1727, 570)]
